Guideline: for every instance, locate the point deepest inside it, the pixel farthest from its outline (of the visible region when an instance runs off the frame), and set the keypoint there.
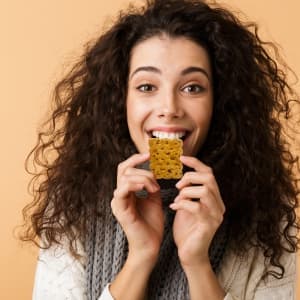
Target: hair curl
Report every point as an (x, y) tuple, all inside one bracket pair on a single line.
[(246, 145)]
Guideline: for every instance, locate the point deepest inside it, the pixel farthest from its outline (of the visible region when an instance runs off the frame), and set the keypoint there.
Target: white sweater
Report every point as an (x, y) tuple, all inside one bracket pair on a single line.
[(60, 277)]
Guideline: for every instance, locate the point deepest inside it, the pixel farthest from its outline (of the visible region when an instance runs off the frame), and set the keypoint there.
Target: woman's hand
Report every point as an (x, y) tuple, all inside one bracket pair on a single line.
[(199, 213), (141, 219)]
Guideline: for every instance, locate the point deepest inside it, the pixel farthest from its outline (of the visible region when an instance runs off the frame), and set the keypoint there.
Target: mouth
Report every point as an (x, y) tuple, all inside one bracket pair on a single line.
[(168, 135)]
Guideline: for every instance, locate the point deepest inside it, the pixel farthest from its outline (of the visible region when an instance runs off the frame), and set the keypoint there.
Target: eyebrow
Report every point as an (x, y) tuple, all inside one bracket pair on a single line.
[(186, 71)]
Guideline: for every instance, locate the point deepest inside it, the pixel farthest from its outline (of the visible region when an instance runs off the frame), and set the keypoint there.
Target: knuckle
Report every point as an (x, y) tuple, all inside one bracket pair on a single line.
[(210, 171), (115, 194), (127, 171), (216, 220), (120, 167), (182, 193), (210, 176), (113, 206), (188, 175), (124, 180), (205, 190), (223, 209), (220, 218)]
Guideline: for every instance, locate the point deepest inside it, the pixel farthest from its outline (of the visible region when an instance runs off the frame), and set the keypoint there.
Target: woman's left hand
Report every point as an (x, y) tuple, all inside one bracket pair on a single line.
[(199, 212)]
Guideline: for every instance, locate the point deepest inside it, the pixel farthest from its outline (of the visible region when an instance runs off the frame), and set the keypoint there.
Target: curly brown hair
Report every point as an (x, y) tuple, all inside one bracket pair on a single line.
[(246, 145)]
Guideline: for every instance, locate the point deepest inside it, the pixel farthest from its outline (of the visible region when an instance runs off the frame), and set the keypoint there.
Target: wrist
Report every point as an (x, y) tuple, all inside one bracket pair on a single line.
[(202, 266), (203, 283), (141, 261), (194, 262), (131, 282)]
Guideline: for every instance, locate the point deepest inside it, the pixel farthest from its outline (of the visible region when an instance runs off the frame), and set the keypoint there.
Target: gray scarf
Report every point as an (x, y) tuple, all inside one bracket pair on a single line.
[(107, 249)]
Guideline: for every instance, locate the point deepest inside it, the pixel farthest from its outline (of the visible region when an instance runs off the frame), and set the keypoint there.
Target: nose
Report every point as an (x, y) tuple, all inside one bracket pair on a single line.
[(170, 107)]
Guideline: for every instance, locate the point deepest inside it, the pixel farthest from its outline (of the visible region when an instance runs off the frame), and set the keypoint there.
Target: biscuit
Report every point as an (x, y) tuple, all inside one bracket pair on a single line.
[(164, 158)]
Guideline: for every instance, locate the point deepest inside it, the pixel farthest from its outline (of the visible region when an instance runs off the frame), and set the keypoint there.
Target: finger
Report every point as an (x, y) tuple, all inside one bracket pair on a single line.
[(203, 175), (141, 172), (187, 205), (190, 178), (214, 203), (132, 161), (198, 210), (207, 179), (119, 202), (206, 197), (193, 192), (195, 163), (124, 190), (147, 183)]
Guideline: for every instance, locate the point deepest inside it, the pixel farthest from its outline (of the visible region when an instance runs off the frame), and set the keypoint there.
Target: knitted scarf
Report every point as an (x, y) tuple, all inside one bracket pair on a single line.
[(107, 249)]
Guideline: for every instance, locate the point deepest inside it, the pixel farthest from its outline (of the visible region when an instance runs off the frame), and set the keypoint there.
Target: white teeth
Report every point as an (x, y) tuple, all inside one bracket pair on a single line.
[(168, 135)]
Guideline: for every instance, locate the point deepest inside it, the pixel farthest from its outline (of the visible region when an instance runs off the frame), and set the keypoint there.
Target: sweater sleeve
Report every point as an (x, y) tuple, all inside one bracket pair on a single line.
[(59, 276), (229, 297), (279, 292), (249, 284), (106, 295), (277, 289)]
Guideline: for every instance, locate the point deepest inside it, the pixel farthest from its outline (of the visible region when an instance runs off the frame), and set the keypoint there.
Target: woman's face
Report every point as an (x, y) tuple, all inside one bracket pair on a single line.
[(169, 92)]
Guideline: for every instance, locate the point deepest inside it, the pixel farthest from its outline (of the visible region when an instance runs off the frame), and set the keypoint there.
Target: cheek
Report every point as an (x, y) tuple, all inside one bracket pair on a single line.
[(135, 114), (131, 120), (138, 107), (133, 109), (202, 117)]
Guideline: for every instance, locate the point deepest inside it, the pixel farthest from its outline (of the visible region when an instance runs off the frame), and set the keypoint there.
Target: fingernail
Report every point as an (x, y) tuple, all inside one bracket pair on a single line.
[(172, 205)]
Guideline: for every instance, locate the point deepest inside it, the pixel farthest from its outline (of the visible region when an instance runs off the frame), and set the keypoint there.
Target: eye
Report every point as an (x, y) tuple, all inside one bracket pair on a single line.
[(146, 88), (193, 89)]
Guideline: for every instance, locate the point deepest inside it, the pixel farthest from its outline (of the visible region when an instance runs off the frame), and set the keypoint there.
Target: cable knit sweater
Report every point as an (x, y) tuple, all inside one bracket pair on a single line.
[(59, 276)]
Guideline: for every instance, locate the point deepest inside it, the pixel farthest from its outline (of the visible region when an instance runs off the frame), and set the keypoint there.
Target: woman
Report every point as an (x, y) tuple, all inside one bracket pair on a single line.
[(226, 229)]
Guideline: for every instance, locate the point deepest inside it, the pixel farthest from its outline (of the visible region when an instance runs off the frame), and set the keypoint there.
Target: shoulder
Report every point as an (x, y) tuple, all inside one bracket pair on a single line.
[(242, 275), (61, 254), (58, 271)]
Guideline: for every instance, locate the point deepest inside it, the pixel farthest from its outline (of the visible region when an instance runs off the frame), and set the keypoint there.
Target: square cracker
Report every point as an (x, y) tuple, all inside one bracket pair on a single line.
[(164, 158)]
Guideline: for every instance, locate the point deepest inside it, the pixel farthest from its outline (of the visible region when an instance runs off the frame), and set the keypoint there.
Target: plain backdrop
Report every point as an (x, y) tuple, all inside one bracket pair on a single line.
[(40, 38)]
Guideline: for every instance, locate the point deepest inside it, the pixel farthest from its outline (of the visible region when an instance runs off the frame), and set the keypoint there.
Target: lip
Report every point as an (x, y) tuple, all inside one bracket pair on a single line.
[(168, 129), (172, 129)]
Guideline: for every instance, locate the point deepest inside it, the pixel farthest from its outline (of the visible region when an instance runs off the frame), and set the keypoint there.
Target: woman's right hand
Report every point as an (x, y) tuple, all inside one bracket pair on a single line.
[(141, 219)]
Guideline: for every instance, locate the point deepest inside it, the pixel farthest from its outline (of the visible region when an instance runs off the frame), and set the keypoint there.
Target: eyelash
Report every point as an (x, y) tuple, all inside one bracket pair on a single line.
[(200, 88), (145, 85)]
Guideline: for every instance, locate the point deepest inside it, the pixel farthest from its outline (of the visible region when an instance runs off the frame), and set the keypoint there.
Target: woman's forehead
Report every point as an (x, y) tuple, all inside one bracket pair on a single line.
[(168, 52)]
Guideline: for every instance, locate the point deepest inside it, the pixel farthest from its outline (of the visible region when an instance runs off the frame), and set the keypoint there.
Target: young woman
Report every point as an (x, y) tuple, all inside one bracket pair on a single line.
[(227, 229)]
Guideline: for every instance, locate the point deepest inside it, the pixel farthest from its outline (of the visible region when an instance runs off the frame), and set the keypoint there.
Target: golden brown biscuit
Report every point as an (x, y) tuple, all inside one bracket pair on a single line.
[(164, 158)]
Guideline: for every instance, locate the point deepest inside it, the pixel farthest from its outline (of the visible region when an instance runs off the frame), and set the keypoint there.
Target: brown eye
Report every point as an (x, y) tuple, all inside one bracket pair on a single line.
[(193, 89), (146, 88)]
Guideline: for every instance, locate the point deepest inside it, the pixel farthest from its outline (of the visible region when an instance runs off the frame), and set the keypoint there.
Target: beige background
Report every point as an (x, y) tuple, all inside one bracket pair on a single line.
[(37, 39)]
